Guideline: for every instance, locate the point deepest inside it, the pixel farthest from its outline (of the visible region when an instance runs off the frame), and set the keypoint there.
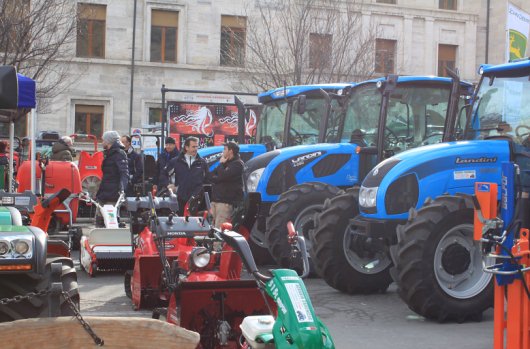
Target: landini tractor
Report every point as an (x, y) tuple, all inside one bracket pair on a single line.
[(412, 207), (282, 107), (293, 115), (374, 120)]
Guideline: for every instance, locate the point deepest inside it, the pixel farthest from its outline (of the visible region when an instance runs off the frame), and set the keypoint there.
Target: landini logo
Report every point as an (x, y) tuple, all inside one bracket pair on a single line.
[(212, 158), (481, 160), (301, 160)]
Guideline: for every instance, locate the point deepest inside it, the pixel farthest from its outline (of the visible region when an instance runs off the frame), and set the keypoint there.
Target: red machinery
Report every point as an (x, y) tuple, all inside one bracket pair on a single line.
[(89, 165), (175, 261), (57, 175)]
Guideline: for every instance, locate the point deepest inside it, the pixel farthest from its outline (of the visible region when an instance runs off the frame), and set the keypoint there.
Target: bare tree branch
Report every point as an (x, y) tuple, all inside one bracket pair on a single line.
[(295, 42)]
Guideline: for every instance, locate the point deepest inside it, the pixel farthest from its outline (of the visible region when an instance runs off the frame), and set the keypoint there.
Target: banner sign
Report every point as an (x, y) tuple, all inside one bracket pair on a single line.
[(518, 28), (213, 124)]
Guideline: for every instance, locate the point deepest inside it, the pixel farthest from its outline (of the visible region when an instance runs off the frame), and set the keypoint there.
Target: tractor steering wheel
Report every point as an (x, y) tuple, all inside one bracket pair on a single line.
[(297, 136), (390, 137), (520, 127)]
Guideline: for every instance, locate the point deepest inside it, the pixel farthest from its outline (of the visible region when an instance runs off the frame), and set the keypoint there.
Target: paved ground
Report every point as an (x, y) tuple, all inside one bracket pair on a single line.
[(378, 321)]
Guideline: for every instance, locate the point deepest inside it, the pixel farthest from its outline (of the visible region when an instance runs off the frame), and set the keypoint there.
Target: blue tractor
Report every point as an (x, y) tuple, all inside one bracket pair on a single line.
[(282, 108), (414, 208), (294, 183)]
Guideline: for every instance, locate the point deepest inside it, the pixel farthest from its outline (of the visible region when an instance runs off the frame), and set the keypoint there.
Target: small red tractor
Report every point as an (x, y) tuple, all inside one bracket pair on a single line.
[(177, 266)]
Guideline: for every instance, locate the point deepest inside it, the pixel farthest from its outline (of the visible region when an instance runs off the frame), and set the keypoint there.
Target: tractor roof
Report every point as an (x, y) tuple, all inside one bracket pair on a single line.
[(516, 68), (292, 91)]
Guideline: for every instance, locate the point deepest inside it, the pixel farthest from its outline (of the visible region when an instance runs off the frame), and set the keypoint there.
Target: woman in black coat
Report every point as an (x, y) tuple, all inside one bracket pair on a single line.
[(114, 167)]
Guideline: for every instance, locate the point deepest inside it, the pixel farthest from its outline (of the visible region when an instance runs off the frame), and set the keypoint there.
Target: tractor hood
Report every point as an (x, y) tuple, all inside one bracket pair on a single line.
[(273, 173), (409, 178), (247, 151)]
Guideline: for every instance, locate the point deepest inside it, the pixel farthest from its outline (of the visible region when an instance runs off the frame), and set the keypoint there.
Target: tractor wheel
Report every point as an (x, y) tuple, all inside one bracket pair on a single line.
[(299, 205), (22, 284), (259, 249), (340, 266), (438, 265)]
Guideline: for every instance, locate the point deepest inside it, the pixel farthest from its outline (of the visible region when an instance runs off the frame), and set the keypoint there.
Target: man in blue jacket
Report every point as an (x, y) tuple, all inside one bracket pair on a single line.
[(135, 165), (115, 172), (190, 171), (170, 152)]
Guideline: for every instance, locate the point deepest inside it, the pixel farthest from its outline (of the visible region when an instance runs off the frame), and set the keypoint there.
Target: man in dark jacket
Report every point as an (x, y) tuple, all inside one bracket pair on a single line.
[(227, 180), (170, 152), (115, 171), (190, 171), (135, 165), (62, 150)]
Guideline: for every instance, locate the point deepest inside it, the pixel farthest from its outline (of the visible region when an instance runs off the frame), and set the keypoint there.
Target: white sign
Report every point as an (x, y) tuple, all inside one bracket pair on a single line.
[(517, 30)]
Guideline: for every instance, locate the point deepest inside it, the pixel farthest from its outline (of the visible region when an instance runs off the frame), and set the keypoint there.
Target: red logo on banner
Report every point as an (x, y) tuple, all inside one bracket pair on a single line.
[(208, 121)]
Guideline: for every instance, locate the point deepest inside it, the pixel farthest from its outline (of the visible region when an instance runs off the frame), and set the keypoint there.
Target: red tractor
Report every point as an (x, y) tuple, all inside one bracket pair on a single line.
[(177, 266)]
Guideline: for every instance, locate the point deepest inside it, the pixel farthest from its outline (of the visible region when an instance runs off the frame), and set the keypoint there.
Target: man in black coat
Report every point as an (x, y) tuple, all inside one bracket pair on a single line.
[(135, 165), (227, 180), (190, 171), (115, 172), (170, 152)]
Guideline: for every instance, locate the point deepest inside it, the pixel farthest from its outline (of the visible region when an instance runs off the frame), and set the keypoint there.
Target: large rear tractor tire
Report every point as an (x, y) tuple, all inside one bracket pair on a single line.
[(299, 205), (438, 265), (22, 284), (341, 267)]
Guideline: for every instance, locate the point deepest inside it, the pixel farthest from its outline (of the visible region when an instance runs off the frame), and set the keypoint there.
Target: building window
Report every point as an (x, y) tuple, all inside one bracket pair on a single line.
[(89, 119), (164, 29), (14, 24), (385, 56), (446, 58), (233, 40), (386, 1), (447, 4), (155, 116), (91, 24), (320, 50)]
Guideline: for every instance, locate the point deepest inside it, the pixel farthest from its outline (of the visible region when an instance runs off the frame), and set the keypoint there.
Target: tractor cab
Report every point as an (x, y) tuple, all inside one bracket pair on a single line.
[(291, 115)]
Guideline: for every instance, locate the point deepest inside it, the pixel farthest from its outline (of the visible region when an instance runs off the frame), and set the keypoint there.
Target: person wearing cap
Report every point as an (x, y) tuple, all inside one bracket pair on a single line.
[(190, 172), (115, 171), (170, 152), (227, 184), (135, 165), (62, 150)]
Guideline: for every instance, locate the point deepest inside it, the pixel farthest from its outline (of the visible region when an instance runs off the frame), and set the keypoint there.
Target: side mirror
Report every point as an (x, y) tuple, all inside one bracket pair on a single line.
[(300, 108)]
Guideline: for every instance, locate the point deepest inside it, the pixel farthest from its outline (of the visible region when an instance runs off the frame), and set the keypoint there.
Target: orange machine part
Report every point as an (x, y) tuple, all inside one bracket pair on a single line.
[(59, 175), (486, 194)]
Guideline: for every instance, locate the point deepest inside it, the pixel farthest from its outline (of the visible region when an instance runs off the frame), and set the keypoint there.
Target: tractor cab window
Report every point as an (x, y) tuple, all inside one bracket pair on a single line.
[(272, 123), (362, 116), (335, 118), (502, 110), (304, 128), (416, 117)]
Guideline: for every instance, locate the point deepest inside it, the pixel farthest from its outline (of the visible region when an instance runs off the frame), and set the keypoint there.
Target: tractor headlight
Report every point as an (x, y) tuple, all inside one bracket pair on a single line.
[(21, 247), (368, 197), (253, 179), (199, 258), (4, 248)]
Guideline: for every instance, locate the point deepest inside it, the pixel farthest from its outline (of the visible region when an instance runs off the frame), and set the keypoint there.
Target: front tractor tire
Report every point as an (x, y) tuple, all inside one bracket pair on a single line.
[(340, 266), (298, 205), (438, 265), (12, 285)]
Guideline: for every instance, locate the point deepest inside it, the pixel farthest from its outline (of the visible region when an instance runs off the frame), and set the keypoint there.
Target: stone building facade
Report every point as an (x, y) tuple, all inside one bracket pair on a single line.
[(99, 96)]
